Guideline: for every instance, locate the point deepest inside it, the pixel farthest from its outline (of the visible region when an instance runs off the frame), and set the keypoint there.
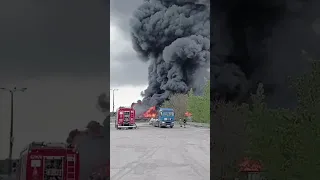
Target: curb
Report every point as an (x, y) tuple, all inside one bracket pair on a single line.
[(193, 124), (203, 125)]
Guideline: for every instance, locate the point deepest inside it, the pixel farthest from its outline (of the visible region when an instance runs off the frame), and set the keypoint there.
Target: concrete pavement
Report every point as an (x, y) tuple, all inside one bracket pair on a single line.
[(151, 153), (160, 153), (201, 125)]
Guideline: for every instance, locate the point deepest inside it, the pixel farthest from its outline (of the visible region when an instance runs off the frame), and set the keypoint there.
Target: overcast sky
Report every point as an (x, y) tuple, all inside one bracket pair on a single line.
[(59, 51), (128, 73)]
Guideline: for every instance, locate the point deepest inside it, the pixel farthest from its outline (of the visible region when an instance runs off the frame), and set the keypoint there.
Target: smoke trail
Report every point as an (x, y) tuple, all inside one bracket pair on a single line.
[(174, 37), (103, 103), (93, 142)]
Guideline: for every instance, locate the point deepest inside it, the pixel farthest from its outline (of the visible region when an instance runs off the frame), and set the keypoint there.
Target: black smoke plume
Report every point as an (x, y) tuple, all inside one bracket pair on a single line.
[(174, 37), (93, 141), (103, 103), (261, 41)]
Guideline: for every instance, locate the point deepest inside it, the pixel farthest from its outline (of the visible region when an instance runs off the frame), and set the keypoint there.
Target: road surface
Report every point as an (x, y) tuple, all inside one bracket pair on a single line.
[(151, 153)]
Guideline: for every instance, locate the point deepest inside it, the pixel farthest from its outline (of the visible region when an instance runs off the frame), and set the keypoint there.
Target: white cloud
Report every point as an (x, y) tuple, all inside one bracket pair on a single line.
[(118, 41), (118, 44), (126, 68), (126, 95)]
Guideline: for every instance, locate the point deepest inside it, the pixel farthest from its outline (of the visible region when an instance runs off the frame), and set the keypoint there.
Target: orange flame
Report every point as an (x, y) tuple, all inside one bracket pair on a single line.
[(188, 114), (150, 113)]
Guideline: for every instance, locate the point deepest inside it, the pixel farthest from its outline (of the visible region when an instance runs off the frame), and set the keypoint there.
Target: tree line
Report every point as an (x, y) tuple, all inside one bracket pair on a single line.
[(284, 142), (198, 106)]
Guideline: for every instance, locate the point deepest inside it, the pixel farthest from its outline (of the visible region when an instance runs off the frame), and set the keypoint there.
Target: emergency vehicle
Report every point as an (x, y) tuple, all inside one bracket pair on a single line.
[(125, 118), (48, 161)]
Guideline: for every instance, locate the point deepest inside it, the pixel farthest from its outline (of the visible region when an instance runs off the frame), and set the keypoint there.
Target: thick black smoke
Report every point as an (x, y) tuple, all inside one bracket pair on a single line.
[(93, 142), (174, 37), (261, 41), (103, 103)]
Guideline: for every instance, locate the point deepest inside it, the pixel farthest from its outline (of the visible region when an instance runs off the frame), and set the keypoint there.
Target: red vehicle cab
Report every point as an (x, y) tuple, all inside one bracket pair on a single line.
[(125, 118), (48, 161)]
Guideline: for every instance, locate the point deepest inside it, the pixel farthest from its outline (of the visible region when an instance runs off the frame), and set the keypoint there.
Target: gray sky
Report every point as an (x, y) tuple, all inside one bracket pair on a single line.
[(59, 51), (127, 72), (121, 11), (126, 68), (39, 37)]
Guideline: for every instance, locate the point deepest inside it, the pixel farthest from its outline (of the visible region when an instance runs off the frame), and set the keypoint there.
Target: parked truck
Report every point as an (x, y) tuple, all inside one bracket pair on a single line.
[(165, 117), (125, 118)]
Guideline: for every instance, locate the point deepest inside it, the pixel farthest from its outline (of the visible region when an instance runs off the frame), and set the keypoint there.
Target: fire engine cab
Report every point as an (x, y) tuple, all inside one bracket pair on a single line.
[(48, 161), (125, 118)]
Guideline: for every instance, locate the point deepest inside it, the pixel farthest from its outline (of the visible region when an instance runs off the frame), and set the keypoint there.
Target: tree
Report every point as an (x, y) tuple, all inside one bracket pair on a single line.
[(268, 135), (179, 103), (229, 138), (288, 141), (307, 123), (199, 106)]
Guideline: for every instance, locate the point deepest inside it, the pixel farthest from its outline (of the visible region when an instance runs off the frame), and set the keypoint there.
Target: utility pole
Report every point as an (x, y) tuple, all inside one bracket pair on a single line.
[(113, 90), (11, 91)]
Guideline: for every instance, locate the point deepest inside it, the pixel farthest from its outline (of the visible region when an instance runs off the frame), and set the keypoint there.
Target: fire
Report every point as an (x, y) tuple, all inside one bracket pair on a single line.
[(188, 114), (150, 113)]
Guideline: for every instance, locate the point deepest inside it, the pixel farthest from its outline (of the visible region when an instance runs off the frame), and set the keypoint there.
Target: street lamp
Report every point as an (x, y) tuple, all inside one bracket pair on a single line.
[(113, 90), (11, 91)]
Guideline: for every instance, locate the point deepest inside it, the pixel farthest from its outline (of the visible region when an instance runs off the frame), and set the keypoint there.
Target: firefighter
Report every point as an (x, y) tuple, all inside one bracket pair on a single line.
[(184, 122)]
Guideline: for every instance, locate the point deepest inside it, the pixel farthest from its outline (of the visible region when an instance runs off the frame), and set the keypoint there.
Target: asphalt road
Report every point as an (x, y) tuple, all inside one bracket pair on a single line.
[(151, 153)]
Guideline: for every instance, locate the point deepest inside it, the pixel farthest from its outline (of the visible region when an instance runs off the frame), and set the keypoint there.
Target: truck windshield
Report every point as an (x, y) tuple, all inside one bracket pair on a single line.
[(167, 113)]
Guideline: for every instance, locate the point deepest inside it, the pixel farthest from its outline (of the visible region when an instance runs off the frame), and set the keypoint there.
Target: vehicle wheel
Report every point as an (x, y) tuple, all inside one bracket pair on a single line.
[(171, 126)]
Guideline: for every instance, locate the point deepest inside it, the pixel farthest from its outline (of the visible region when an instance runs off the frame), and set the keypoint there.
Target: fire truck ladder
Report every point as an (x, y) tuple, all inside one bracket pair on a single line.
[(71, 167)]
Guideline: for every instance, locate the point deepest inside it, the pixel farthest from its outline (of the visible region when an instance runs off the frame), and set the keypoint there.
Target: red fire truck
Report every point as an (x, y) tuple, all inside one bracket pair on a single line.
[(125, 118), (48, 161)]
